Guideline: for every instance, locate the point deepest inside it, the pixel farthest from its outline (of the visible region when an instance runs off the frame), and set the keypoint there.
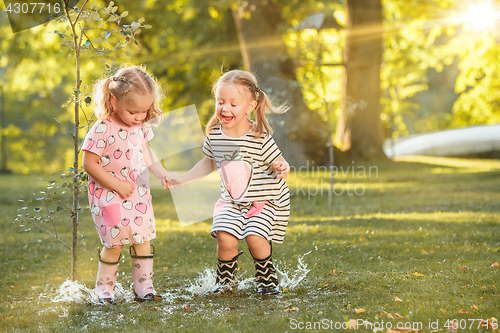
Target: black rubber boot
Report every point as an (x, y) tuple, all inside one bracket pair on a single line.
[(226, 275), (265, 276)]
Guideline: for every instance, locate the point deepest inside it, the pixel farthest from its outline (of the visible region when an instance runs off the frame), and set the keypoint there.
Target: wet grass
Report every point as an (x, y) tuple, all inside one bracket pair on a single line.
[(424, 231)]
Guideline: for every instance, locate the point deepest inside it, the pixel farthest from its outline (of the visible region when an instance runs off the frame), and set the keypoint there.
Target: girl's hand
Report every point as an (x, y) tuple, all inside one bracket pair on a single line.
[(174, 180), (164, 182), (282, 169), (124, 189)]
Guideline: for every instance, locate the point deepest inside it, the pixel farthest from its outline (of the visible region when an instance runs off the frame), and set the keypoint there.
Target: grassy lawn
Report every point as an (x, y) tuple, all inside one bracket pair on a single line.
[(412, 239)]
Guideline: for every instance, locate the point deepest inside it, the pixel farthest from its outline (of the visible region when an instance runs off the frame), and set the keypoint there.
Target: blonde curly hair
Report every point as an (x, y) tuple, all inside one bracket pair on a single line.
[(128, 81)]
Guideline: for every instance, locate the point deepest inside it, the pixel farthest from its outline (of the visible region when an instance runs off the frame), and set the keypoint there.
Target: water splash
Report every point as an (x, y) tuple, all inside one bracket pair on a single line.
[(205, 282), (72, 291), (297, 276)]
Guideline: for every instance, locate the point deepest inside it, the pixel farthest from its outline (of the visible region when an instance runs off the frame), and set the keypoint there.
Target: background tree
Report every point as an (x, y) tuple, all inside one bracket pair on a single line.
[(359, 131)]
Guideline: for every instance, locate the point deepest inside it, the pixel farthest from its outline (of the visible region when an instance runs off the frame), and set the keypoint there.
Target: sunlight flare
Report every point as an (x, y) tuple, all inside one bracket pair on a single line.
[(482, 16)]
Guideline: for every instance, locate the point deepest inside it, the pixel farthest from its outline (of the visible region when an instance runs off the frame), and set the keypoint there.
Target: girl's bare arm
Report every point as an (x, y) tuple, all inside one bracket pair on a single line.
[(202, 169)]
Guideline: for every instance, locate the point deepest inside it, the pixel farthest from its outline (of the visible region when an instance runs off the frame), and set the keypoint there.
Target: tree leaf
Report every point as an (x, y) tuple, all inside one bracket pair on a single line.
[(124, 14)]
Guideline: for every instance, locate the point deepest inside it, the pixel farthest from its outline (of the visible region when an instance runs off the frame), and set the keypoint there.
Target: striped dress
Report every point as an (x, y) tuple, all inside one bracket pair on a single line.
[(254, 201)]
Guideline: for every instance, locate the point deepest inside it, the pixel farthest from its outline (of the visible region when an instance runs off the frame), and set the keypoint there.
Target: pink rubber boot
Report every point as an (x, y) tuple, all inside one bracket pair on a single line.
[(106, 279), (142, 272)]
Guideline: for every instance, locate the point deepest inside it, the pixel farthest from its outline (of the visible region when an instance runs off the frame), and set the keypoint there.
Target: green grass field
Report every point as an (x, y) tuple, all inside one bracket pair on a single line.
[(414, 239)]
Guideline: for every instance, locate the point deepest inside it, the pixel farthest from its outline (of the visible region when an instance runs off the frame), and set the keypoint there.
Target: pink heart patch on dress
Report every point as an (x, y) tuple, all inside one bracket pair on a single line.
[(256, 209)]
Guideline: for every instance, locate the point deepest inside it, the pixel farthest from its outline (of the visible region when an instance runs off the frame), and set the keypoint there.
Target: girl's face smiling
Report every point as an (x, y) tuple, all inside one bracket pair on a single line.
[(233, 105), (131, 112)]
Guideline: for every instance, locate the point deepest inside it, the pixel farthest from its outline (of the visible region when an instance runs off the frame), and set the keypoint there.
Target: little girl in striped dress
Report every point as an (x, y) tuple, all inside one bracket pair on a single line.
[(255, 201)]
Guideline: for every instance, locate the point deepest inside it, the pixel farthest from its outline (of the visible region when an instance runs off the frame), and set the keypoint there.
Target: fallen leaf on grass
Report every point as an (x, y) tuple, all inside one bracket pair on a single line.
[(390, 316), (453, 326), (495, 264), (418, 274), (187, 309), (292, 309), (397, 299), (463, 268), (489, 323), (360, 310), (463, 311), (483, 287), (165, 268), (383, 313), (397, 315), (473, 307), (424, 252), (352, 324), (58, 278)]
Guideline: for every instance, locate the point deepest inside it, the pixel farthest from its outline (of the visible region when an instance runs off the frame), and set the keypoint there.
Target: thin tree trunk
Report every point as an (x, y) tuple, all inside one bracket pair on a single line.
[(76, 178), (3, 146), (76, 181), (300, 133), (359, 131)]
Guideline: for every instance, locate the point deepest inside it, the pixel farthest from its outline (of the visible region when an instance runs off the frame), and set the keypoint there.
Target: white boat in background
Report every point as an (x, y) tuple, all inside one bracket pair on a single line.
[(454, 142)]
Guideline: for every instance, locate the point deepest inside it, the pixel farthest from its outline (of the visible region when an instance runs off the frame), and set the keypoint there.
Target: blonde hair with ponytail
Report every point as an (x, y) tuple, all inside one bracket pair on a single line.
[(124, 85), (249, 83)]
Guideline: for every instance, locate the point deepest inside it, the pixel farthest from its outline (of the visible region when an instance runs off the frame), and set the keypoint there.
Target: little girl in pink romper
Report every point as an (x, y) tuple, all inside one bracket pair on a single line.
[(117, 157)]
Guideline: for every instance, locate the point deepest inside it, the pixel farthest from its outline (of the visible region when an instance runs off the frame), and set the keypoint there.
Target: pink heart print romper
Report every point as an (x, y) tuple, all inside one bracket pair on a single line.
[(121, 221)]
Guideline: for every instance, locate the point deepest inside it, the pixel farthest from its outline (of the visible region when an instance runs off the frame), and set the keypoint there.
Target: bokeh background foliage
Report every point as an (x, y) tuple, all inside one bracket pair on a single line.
[(437, 71)]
